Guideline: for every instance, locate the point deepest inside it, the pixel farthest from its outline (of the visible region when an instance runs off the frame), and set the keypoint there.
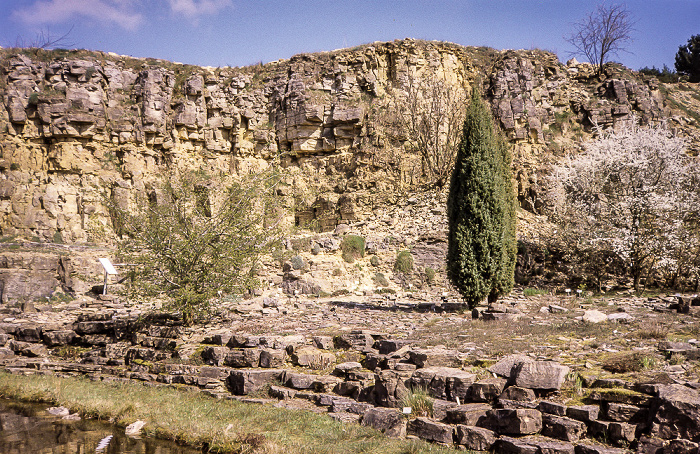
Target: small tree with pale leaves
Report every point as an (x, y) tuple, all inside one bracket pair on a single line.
[(628, 197), (198, 236)]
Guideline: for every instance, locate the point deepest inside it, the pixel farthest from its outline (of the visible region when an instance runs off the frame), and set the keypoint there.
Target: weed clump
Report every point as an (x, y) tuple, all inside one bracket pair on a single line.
[(380, 280), (429, 275), (352, 247), (297, 262), (404, 262), (419, 401)]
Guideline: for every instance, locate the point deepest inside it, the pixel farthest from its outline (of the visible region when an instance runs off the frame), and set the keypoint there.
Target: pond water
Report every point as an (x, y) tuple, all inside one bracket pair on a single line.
[(29, 428)]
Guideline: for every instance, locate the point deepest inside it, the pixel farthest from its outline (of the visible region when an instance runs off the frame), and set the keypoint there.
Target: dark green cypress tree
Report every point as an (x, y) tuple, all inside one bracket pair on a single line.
[(481, 210)]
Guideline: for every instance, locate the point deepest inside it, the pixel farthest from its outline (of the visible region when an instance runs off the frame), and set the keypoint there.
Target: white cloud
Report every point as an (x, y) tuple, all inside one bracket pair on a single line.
[(119, 12), (195, 8)]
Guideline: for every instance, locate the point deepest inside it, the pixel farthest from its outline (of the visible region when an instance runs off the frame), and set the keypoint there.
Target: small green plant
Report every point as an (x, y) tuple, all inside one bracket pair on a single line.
[(57, 237), (676, 358), (14, 166), (374, 261), (298, 262), (352, 247), (419, 401), (33, 99), (429, 275), (647, 362), (404, 262), (380, 279), (622, 363)]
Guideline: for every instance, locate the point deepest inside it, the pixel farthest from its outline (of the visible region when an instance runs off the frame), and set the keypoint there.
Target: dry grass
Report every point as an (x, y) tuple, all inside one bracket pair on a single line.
[(652, 330), (622, 363)]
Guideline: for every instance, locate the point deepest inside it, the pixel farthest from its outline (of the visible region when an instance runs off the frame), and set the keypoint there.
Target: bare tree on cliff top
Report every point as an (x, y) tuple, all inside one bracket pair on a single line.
[(604, 32)]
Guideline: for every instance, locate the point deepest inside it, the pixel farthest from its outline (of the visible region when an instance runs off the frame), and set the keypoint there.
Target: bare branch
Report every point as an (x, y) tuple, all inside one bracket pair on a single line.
[(606, 31)]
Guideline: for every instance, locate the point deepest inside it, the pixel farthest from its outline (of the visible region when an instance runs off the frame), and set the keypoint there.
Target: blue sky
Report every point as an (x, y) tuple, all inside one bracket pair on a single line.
[(243, 32)]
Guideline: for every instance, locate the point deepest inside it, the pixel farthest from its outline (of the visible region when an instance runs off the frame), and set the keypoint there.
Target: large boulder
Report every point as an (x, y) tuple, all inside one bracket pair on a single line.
[(443, 382), (541, 375), (427, 429), (505, 365), (515, 421), (437, 356), (474, 438), (390, 386), (243, 382), (677, 413), (389, 420)]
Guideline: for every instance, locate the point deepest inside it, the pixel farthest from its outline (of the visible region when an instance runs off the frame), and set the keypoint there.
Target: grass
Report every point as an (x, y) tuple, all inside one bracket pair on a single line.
[(192, 418), (622, 363), (535, 292), (419, 401)]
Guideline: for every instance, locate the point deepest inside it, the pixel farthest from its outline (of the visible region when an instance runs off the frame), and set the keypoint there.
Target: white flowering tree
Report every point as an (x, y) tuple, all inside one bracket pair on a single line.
[(628, 199)]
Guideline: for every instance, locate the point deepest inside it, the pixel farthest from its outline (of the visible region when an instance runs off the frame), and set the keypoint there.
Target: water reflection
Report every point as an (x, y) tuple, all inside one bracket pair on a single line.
[(28, 428)]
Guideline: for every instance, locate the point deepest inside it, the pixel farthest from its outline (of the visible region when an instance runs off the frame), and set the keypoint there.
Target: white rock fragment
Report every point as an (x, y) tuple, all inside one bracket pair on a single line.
[(134, 429)]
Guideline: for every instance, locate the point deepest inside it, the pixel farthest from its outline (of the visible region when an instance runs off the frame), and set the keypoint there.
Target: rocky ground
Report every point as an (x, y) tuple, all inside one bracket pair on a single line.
[(537, 372)]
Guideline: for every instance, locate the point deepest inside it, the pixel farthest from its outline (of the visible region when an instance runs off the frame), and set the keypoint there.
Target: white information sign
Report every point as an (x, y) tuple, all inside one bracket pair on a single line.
[(107, 265)]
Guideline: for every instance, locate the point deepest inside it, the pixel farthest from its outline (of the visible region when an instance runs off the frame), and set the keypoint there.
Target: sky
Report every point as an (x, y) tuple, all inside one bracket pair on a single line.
[(245, 32)]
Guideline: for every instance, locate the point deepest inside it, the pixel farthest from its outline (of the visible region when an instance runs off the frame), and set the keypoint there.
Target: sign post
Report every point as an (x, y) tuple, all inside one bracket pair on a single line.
[(109, 269)]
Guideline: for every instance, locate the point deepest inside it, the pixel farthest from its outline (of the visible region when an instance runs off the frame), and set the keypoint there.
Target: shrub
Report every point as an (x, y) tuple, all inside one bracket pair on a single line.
[(374, 261), (429, 275), (352, 247), (191, 241), (404, 262), (629, 202)]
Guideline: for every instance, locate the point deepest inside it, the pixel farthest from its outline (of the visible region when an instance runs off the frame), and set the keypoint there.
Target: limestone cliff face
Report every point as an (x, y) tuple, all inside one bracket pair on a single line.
[(77, 126)]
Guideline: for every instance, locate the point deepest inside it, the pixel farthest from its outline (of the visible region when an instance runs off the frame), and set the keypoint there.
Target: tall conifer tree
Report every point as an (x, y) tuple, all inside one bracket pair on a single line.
[(481, 210)]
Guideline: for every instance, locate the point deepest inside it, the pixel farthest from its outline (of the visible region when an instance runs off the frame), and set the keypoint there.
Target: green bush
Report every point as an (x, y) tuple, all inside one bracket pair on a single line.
[(352, 247), (404, 262), (688, 59), (374, 261), (429, 275), (200, 236)]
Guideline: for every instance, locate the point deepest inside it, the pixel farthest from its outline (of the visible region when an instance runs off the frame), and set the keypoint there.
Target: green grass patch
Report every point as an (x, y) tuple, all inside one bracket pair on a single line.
[(535, 292), (192, 418)]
